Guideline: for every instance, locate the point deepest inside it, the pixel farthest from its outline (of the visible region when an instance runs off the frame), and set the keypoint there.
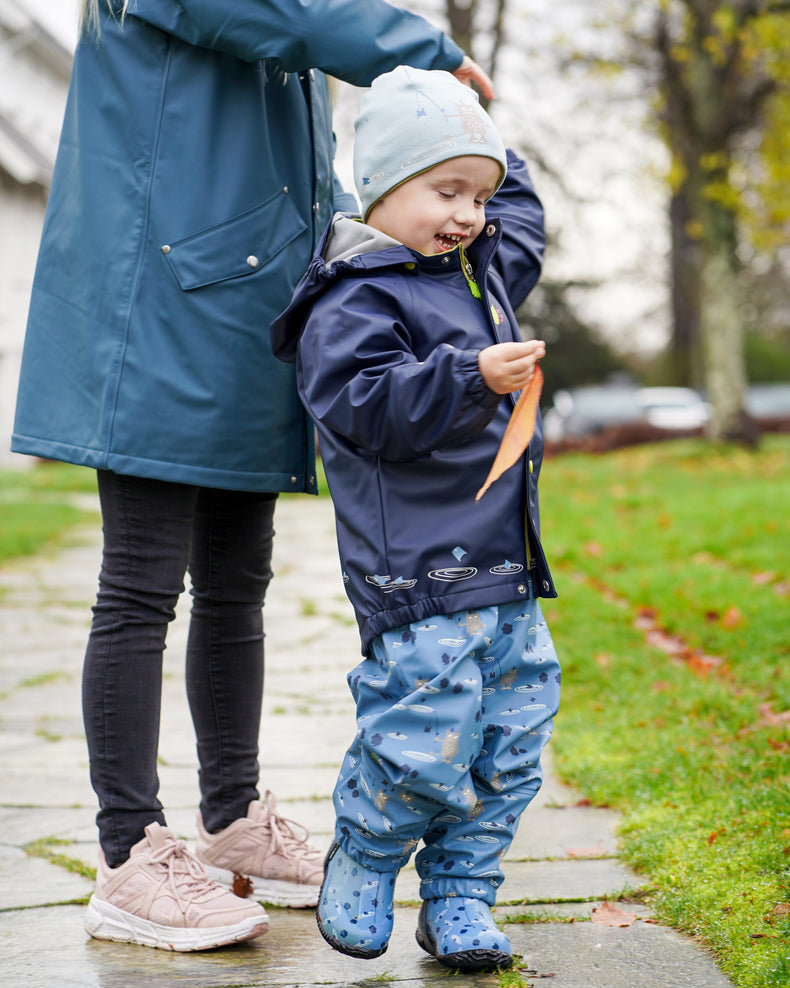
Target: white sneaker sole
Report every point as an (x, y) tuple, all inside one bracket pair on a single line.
[(292, 895), (106, 922)]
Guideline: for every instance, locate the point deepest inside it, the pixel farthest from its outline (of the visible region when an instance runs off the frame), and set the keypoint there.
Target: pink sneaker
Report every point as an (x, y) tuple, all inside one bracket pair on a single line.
[(264, 855), (161, 897)]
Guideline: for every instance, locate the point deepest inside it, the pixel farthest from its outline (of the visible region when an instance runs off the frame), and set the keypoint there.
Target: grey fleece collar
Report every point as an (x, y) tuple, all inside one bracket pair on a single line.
[(349, 236)]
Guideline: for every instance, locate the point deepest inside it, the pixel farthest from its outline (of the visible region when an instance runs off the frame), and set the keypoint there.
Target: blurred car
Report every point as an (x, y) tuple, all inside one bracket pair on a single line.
[(673, 408), (768, 401), (591, 410)]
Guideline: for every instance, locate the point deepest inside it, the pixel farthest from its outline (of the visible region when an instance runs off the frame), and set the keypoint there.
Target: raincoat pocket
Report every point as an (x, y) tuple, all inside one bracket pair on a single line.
[(239, 247)]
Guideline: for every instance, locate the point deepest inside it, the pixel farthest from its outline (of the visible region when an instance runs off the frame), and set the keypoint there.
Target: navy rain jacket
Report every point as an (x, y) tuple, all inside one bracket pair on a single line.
[(386, 341)]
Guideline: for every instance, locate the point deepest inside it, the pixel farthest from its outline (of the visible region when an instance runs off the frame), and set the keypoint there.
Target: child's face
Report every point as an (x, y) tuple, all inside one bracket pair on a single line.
[(439, 208)]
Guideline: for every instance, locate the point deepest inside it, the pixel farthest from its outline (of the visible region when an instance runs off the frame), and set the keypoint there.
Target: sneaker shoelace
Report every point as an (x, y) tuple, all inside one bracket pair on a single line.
[(185, 876), (286, 835)]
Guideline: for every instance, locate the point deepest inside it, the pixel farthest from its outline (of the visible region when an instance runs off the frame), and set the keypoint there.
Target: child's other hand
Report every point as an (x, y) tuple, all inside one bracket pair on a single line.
[(509, 366)]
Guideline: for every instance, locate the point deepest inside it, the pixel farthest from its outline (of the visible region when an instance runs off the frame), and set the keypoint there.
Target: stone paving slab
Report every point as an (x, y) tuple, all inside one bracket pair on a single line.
[(30, 881), (48, 947), (562, 863), (586, 955)]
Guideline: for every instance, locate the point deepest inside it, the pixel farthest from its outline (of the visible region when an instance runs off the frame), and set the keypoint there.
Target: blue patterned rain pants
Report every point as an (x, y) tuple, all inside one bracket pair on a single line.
[(452, 716)]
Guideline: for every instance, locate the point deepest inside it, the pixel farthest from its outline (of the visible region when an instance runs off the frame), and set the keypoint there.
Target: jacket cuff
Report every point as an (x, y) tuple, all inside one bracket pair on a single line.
[(476, 387)]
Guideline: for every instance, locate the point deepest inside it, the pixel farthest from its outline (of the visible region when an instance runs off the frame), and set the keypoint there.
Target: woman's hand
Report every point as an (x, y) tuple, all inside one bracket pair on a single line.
[(469, 72), (509, 366)]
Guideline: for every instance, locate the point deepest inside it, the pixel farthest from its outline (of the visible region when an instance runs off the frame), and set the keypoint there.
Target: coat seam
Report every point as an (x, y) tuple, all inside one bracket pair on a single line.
[(141, 249)]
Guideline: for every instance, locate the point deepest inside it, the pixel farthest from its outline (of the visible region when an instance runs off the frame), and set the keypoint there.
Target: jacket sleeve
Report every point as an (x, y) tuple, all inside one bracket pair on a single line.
[(358, 377), (355, 40), (520, 255)]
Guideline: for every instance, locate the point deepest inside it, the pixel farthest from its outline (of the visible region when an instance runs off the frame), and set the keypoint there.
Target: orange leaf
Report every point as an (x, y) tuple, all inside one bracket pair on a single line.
[(609, 915), (242, 886), (518, 433), (732, 618)]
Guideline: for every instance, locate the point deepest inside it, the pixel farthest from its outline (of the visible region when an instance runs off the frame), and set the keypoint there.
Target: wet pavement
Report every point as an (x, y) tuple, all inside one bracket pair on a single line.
[(562, 865)]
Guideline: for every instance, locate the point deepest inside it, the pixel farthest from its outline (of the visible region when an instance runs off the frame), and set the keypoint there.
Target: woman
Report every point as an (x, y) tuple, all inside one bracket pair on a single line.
[(193, 178)]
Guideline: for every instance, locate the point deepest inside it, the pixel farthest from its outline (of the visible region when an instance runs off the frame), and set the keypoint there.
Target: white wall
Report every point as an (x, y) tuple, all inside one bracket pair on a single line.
[(33, 83), (21, 216)]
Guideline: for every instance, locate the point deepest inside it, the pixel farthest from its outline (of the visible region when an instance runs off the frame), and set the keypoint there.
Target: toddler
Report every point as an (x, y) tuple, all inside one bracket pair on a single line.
[(409, 360)]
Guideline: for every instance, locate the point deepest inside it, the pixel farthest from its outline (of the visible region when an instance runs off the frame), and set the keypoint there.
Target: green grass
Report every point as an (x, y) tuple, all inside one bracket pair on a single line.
[(36, 506), (673, 625)]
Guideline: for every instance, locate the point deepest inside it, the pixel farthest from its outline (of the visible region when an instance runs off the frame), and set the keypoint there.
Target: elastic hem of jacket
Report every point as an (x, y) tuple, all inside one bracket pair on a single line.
[(177, 473), (445, 604)]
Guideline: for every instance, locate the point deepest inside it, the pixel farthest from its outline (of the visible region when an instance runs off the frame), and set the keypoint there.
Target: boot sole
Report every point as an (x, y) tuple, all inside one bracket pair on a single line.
[(476, 959), (346, 948)]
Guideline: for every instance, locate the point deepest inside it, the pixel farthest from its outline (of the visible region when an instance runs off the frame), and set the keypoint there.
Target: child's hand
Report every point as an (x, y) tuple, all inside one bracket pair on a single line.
[(509, 366)]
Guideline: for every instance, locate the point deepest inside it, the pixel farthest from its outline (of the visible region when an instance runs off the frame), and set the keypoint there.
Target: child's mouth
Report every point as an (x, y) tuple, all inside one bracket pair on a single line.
[(446, 241)]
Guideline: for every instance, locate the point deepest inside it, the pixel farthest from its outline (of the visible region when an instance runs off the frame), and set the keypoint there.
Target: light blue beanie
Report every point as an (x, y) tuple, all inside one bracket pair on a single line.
[(412, 119)]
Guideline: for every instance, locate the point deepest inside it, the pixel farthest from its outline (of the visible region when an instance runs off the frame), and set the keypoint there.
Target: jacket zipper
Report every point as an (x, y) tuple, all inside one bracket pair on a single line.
[(469, 273)]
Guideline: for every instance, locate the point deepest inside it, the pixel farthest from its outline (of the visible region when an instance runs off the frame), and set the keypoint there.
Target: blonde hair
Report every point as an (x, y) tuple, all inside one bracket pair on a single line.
[(89, 14)]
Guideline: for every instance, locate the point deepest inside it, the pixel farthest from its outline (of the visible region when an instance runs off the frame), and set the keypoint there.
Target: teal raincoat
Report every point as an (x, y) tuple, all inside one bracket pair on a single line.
[(193, 179)]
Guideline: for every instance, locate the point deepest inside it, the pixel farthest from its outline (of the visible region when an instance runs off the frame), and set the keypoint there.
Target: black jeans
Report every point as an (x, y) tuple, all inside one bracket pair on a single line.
[(153, 532)]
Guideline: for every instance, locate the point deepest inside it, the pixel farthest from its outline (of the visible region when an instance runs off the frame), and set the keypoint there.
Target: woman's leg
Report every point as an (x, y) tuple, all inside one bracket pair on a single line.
[(230, 568), (147, 528)]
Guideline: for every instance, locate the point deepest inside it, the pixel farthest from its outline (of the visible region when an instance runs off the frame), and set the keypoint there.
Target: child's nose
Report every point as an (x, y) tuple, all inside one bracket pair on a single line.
[(465, 213)]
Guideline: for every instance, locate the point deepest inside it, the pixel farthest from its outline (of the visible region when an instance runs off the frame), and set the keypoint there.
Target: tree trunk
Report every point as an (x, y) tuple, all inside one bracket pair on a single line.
[(684, 364), (461, 18), (722, 338), (702, 118)]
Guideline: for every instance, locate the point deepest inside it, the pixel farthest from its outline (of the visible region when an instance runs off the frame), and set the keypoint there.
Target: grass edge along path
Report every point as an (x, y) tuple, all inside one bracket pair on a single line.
[(688, 742), (38, 509)]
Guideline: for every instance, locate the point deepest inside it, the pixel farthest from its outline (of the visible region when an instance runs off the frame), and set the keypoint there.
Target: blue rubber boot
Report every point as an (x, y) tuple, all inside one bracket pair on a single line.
[(461, 934), (355, 906)]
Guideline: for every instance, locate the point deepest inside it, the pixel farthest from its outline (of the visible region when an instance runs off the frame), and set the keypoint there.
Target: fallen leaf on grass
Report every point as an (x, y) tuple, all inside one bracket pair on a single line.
[(674, 645), (770, 719), (701, 664), (609, 915), (518, 433), (732, 618)]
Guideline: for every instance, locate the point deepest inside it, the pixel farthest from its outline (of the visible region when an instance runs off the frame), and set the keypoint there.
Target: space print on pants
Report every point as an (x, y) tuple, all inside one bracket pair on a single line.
[(452, 716)]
